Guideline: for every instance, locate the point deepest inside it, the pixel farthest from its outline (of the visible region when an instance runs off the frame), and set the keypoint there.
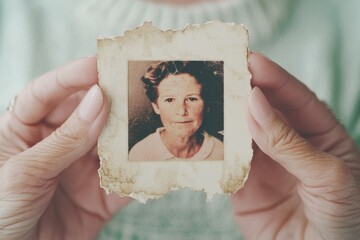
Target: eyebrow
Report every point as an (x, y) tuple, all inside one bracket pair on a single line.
[(191, 94)]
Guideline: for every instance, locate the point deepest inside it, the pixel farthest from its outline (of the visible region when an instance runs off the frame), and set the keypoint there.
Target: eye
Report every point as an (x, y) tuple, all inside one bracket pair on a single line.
[(169, 100), (192, 99)]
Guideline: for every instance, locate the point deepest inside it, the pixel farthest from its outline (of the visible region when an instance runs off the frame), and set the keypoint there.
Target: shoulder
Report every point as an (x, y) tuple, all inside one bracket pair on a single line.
[(143, 148), (217, 151), (217, 140)]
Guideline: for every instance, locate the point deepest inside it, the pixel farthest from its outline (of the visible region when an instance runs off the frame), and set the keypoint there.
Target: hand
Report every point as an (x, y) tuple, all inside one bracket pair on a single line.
[(304, 180), (49, 186)]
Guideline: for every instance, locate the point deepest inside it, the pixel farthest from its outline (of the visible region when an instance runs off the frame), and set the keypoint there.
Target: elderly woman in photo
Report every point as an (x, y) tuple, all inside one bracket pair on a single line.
[(182, 93)]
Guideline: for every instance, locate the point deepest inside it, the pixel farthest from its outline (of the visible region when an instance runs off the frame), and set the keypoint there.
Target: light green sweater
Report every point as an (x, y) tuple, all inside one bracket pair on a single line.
[(316, 40)]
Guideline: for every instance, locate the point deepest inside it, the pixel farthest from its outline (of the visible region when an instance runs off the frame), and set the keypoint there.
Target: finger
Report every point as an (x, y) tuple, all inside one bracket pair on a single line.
[(260, 193), (61, 112), (294, 100), (302, 110), (87, 184), (73, 139), (46, 91), (287, 147)]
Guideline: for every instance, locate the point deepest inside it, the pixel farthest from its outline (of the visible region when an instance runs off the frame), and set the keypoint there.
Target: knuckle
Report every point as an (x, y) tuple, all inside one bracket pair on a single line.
[(68, 135), (62, 141), (283, 137), (339, 184), (340, 173), (27, 180)]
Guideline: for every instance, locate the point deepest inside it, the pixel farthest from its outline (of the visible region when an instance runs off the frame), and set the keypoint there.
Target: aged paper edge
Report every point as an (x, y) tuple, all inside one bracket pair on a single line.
[(149, 180)]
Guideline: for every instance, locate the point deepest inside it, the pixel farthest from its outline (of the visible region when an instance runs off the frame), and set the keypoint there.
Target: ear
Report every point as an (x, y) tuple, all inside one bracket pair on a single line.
[(156, 108)]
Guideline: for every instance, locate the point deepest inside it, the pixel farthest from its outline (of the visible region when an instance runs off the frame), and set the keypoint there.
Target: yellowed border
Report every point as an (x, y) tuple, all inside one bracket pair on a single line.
[(145, 180)]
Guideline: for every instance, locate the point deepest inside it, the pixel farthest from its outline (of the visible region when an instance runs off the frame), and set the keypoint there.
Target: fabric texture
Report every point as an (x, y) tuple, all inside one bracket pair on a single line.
[(153, 148), (315, 40)]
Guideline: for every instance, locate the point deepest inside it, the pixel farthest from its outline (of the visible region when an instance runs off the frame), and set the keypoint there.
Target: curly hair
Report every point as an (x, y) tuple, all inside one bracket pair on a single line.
[(206, 73), (209, 74)]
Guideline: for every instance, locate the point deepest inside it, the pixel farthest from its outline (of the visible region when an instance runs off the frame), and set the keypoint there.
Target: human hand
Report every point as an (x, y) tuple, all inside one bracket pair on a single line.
[(304, 180), (49, 186)]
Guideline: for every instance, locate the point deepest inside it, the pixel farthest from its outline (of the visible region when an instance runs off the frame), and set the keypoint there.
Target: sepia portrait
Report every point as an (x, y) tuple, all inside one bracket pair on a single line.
[(176, 110)]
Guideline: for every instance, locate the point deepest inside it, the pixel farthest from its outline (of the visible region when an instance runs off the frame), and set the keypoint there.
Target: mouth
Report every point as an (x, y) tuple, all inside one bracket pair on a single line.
[(182, 122)]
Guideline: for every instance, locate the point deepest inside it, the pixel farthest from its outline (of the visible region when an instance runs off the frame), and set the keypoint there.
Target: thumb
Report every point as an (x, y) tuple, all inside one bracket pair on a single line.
[(74, 138), (284, 145)]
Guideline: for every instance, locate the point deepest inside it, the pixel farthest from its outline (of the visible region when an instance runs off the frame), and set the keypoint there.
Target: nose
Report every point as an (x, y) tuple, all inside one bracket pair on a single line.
[(181, 109)]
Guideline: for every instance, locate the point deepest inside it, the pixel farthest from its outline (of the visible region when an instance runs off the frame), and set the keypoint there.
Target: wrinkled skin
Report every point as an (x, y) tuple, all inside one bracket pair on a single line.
[(304, 180), (49, 186)]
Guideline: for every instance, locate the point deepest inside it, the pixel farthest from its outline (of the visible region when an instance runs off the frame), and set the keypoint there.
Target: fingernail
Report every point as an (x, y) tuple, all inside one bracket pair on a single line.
[(91, 104), (260, 107)]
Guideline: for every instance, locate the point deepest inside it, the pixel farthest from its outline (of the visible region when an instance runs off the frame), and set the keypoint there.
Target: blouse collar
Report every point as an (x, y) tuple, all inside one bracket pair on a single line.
[(204, 151)]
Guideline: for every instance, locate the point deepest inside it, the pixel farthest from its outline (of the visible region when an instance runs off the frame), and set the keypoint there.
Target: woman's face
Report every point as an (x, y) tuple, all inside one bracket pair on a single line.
[(180, 104)]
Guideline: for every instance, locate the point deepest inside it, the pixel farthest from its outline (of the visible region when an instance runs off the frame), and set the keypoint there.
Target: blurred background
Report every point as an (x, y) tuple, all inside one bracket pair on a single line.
[(318, 41)]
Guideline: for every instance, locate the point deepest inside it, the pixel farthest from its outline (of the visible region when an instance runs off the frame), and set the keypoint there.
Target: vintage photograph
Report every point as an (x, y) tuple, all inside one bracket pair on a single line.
[(177, 116), (176, 110)]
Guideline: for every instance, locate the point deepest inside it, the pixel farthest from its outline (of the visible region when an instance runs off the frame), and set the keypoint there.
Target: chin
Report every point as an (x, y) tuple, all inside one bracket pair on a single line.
[(184, 132)]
